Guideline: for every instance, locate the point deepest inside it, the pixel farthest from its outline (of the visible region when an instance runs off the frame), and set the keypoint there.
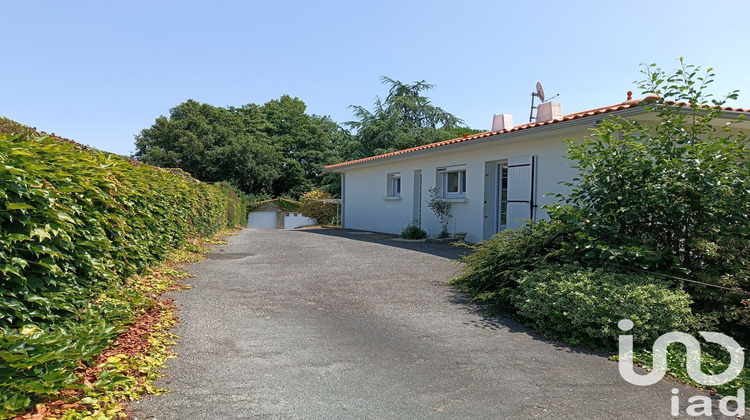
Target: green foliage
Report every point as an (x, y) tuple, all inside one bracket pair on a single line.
[(583, 306), (318, 210), (276, 148), (285, 204), (441, 208), (8, 126), (490, 273), (669, 197), (413, 232), (664, 199), (236, 205), (404, 119), (75, 223), (714, 359)]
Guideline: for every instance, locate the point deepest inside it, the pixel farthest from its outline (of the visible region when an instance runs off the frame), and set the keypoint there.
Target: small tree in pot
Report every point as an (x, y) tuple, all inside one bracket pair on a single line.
[(441, 208)]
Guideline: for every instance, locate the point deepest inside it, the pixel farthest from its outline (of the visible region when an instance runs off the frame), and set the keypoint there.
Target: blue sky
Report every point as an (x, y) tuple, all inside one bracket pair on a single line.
[(98, 72)]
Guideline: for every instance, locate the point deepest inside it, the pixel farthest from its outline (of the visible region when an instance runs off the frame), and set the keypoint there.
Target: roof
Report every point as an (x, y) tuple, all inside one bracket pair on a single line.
[(629, 104)]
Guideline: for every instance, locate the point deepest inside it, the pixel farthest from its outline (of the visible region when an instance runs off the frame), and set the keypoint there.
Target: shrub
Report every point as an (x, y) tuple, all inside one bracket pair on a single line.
[(413, 232), (318, 210), (584, 305), (669, 197), (491, 271)]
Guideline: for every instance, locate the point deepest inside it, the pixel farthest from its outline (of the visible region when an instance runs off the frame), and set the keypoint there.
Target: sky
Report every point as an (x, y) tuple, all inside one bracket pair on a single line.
[(99, 72)]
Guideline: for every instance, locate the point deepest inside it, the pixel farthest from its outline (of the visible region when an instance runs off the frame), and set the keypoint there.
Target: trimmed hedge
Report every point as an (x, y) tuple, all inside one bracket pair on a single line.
[(584, 305), (75, 223)]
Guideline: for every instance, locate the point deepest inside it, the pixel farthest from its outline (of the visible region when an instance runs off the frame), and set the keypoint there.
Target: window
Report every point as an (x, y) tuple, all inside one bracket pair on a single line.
[(502, 183), (453, 182), (394, 185)]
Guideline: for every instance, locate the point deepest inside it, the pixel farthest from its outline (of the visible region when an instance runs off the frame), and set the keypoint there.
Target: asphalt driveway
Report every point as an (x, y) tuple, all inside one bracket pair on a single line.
[(326, 324)]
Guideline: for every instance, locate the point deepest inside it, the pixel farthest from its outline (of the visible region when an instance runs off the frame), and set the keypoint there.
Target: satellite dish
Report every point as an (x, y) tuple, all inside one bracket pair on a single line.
[(540, 91)]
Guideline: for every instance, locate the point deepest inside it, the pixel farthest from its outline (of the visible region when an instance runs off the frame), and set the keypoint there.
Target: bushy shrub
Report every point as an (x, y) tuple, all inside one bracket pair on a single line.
[(583, 305), (413, 232), (318, 210), (491, 271), (669, 197)]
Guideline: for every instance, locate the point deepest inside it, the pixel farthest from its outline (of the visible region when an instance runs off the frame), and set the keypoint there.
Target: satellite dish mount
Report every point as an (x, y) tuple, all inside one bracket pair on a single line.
[(538, 94)]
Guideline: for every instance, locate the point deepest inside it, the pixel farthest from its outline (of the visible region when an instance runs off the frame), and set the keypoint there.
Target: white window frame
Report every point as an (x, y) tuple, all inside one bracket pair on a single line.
[(394, 185), (443, 181)]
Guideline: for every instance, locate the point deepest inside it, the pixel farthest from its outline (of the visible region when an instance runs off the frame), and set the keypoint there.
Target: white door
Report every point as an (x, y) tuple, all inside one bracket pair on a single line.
[(262, 220), (417, 204)]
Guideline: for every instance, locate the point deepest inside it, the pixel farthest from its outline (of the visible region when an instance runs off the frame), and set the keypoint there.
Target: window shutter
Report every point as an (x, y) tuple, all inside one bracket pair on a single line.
[(520, 190)]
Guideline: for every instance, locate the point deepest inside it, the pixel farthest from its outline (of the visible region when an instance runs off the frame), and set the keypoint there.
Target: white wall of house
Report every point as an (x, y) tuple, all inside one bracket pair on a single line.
[(368, 206)]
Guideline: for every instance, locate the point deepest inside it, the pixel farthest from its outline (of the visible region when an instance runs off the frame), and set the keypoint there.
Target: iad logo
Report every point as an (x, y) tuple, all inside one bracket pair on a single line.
[(702, 406)]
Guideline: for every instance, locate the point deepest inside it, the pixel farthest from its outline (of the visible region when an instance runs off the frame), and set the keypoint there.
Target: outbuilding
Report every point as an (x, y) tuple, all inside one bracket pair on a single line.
[(270, 215)]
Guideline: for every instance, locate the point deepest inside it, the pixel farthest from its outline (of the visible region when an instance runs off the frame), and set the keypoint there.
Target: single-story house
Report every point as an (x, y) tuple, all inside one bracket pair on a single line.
[(494, 180)]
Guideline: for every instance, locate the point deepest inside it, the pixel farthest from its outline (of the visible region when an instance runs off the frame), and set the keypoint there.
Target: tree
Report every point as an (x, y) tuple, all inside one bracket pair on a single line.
[(307, 143), (272, 148), (212, 144), (671, 196), (404, 119)]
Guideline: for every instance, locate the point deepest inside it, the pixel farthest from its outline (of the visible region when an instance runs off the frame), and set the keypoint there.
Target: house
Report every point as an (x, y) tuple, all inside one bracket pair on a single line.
[(494, 180)]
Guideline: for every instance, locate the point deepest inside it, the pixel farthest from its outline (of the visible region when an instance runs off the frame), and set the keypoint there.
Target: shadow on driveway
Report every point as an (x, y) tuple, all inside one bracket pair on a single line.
[(461, 299), (450, 251)]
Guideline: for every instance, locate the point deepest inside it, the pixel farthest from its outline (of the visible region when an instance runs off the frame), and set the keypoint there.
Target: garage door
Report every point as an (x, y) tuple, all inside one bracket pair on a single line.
[(262, 220)]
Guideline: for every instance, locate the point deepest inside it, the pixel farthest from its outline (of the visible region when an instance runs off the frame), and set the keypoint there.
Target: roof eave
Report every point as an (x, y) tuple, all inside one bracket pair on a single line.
[(486, 137)]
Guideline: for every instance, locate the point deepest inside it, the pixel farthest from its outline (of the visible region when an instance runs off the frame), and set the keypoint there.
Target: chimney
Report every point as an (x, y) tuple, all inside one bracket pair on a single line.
[(548, 111), (502, 122)]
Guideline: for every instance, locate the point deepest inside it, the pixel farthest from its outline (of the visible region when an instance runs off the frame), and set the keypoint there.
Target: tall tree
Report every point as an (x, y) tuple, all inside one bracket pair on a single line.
[(275, 148), (306, 142), (404, 119), (213, 144)]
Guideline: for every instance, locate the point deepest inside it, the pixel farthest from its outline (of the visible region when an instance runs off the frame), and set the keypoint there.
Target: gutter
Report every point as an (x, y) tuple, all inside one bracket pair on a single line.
[(505, 137)]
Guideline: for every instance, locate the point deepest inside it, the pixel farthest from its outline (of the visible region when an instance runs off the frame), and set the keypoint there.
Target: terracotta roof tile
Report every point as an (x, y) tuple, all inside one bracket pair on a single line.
[(598, 111)]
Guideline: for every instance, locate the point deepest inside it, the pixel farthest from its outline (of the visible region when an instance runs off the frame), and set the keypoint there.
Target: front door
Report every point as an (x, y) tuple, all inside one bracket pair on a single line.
[(509, 196), (417, 204)]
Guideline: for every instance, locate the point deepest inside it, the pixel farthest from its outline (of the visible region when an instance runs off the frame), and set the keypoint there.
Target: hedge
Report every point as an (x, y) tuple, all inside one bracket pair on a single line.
[(584, 305), (75, 223)]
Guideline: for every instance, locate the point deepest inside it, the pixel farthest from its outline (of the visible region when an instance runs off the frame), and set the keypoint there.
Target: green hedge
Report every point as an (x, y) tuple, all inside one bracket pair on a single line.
[(583, 305), (75, 223)]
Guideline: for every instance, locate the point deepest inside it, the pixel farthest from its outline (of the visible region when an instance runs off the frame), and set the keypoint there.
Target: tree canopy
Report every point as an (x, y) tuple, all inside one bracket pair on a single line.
[(278, 149), (405, 118), (275, 148)]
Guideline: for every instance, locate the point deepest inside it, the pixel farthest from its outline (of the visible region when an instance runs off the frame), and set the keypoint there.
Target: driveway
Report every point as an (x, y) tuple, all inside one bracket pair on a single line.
[(330, 324)]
